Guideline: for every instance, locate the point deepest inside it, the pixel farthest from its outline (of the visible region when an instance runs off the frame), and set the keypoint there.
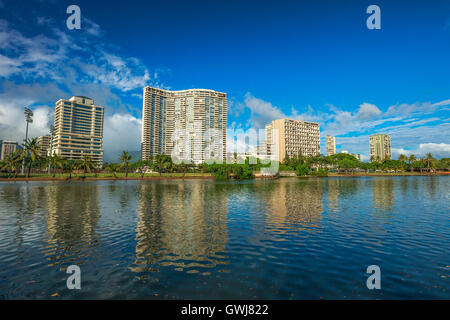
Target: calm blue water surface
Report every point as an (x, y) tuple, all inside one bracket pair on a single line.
[(281, 239)]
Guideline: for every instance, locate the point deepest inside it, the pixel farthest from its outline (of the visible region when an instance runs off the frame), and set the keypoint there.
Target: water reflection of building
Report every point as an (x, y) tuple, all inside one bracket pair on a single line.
[(181, 225), (295, 203), (333, 194), (72, 218), (383, 194)]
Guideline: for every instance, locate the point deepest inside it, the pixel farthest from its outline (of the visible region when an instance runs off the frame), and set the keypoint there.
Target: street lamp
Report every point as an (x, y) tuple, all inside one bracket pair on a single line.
[(29, 119)]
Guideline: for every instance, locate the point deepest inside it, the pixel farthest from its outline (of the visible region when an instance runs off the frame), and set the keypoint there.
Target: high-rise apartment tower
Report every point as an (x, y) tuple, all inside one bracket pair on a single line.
[(380, 147), (331, 145), (78, 129), (190, 124)]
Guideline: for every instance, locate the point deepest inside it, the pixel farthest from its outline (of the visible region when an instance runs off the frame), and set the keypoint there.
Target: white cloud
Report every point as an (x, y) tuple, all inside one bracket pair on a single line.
[(12, 122), (122, 132), (439, 150), (8, 66), (92, 28), (51, 58), (408, 124), (262, 112), (47, 68), (367, 111)]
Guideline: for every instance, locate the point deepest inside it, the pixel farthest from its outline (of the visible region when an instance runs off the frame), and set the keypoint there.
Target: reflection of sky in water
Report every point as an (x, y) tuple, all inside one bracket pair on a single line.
[(281, 239)]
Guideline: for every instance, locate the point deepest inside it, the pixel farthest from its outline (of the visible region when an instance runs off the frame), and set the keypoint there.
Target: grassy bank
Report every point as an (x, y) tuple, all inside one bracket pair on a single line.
[(107, 176), (379, 174)]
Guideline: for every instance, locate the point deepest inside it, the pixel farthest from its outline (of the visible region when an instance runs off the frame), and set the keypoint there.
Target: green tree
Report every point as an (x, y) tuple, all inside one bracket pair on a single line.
[(69, 167), (141, 166), (86, 165), (301, 170), (403, 161), (125, 158), (221, 172), (112, 168), (56, 162), (12, 163), (444, 164), (184, 166), (32, 152), (162, 163), (429, 161), (412, 158), (238, 172)]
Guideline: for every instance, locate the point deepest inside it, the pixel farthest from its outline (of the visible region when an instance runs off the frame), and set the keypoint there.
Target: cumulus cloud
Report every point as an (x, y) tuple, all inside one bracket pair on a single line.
[(368, 111), (122, 132), (407, 110), (92, 28), (122, 73), (262, 112), (12, 122), (408, 124), (42, 57), (439, 150), (36, 71)]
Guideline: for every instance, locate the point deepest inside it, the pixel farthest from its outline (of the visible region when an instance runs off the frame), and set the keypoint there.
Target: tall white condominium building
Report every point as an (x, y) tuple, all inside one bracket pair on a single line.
[(380, 147), (78, 129), (331, 145), (294, 137), (44, 144), (190, 124), (8, 147)]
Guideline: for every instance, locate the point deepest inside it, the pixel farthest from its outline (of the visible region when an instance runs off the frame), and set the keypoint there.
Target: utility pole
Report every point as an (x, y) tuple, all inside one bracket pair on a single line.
[(52, 133), (29, 119)]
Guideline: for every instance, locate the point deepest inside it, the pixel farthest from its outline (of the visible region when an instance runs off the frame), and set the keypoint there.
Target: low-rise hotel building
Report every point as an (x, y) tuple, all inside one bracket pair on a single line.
[(44, 145), (8, 147), (293, 138), (356, 155), (78, 129)]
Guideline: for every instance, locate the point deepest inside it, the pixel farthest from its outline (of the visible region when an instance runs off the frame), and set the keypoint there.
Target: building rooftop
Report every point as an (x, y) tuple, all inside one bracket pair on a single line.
[(186, 90)]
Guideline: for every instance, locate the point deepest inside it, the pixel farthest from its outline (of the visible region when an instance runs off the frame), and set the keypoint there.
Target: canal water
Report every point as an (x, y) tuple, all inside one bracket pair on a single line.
[(290, 238)]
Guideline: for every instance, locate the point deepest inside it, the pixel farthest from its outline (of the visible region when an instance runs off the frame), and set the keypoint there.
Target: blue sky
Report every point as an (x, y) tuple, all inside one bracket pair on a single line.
[(310, 60)]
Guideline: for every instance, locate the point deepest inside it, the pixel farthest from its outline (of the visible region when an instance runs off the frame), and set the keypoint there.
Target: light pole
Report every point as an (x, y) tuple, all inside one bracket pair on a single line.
[(29, 119), (52, 133)]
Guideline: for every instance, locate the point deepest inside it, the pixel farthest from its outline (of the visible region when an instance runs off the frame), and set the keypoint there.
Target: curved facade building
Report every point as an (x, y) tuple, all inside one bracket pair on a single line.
[(190, 124)]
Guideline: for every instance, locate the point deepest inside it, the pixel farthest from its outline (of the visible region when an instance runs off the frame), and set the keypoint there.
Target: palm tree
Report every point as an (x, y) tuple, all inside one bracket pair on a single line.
[(112, 168), (69, 167), (412, 158), (86, 165), (126, 158), (12, 163), (429, 159), (141, 166), (160, 163), (184, 166), (403, 159), (32, 152), (56, 162)]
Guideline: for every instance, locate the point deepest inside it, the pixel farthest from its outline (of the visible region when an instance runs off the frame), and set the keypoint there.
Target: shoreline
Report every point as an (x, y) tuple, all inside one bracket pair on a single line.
[(104, 178), (199, 177), (376, 175)]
